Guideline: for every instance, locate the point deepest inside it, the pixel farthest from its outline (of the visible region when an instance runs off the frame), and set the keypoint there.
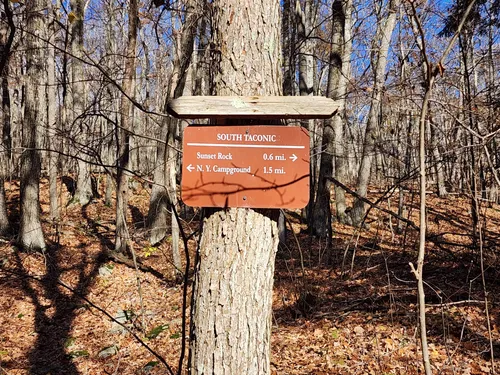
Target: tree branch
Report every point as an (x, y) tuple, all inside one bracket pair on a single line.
[(371, 204)]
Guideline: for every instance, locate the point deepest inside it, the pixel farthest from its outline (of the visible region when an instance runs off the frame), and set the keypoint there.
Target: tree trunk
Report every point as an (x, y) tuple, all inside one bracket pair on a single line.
[(164, 192), (466, 43), (438, 162), (65, 102), (200, 73), (31, 234), (333, 128), (51, 114), (289, 39), (158, 202), (83, 193), (108, 146), (339, 118), (305, 21), (379, 61), (233, 294), (171, 187), (6, 141), (4, 218), (183, 70), (143, 152), (110, 180), (288, 35), (234, 280), (123, 133)]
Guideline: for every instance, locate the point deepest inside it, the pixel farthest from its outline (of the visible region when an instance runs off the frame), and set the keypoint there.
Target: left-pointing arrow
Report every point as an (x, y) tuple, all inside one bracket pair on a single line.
[(190, 167)]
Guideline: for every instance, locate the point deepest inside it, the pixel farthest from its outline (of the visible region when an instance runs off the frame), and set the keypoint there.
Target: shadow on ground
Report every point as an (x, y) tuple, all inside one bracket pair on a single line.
[(383, 288), (55, 309)]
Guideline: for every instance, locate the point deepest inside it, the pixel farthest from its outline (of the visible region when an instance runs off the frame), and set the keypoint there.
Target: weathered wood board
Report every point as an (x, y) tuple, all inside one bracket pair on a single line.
[(247, 107)]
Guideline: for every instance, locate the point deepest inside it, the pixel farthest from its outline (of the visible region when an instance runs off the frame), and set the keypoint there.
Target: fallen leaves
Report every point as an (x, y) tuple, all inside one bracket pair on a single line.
[(358, 324)]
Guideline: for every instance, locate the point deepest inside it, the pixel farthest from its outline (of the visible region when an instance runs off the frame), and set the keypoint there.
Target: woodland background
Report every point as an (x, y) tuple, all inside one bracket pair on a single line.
[(89, 172)]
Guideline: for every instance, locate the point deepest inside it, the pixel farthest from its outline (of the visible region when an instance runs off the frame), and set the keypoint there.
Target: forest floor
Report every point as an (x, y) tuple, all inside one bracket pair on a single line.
[(350, 309)]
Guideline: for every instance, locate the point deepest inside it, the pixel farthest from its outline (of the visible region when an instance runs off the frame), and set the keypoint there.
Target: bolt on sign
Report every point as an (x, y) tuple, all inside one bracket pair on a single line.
[(245, 166)]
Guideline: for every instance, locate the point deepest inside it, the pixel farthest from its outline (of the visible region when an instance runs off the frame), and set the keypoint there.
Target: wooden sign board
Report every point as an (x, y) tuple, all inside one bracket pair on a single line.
[(245, 166), (252, 107)]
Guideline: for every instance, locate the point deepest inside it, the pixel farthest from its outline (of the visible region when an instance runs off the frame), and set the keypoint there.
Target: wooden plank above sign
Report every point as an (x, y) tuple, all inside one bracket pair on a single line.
[(245, 166), (247, 107)]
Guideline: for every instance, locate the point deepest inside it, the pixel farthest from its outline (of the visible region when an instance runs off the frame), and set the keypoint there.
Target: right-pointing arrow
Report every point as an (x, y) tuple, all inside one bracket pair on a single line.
[(293, 157), (190, 167)]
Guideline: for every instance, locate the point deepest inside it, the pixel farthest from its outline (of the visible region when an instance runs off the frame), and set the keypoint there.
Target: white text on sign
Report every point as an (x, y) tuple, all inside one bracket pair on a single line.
[(246, 137), (217, 156)]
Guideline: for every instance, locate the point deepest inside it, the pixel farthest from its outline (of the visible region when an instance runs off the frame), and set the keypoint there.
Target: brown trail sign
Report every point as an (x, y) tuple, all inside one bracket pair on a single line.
[(245, 166), (254, 166), (242, 166)]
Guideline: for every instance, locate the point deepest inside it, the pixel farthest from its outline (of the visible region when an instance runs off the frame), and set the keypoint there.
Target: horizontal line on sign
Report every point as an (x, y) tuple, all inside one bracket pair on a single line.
[(242, 146)]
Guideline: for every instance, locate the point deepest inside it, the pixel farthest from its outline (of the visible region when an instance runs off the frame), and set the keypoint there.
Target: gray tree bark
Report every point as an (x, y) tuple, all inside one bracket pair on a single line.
[(305, 20), (83, 193), (339, 118), (200, 73), (108, 147), (164, 193), (51, 112), (158, 202), (333, 128), (381, 45), (289, 38), (466, 43), (30, 233), (6, 142), (436, 155), (123, 133), (231, 315)]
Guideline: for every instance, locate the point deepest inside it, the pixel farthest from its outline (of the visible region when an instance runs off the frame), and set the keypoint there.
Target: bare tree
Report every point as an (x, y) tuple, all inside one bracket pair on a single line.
[(123, 132), (234, 280), (306, 19), (31, 234), (289, 38), (52, 30), (83, 193), (332, 148), (7, 30), (432, 71), (380, 52), (164, 193), (111, 49)]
